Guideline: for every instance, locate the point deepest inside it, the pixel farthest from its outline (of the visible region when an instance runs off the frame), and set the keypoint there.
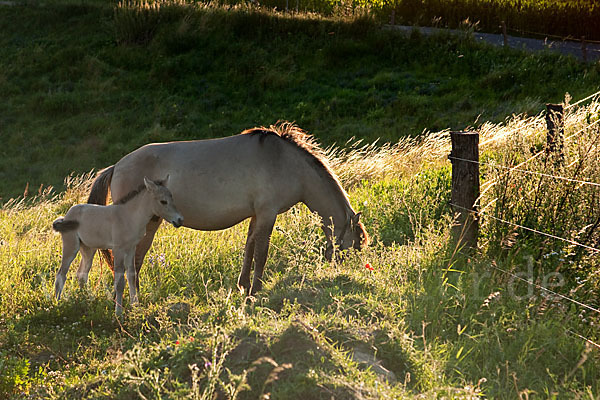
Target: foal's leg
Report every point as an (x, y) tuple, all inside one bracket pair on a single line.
[(70, 245), (262, 237), (143, 247), (119, 280), (131, 275), (244, 279), (87, 257)]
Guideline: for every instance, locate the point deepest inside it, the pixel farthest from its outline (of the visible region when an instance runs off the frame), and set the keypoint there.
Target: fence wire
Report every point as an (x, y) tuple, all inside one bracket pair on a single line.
[(573, 242), (516, 168), (526, 171), (531, 282), (491, 183), (582, 100), (558, 295)]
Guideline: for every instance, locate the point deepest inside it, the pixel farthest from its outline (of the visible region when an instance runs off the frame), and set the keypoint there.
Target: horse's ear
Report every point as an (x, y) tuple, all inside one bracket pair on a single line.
[(164, 181), (356, 218), (150, 185)]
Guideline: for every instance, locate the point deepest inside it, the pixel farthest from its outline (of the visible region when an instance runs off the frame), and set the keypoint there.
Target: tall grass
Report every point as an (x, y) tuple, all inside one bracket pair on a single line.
[(439, 323)]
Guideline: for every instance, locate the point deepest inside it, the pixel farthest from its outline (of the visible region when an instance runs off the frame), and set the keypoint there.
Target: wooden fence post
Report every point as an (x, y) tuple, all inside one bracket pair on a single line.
[(556, 128), (465, 186), (504, 34), (584, 49)]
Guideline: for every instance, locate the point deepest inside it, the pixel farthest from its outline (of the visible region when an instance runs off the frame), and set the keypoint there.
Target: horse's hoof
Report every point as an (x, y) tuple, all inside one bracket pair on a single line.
[(244, 291), (257, 287), (244, 287)]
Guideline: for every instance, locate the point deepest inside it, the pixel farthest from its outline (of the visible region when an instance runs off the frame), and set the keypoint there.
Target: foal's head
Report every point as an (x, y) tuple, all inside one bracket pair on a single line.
[(354, 235), (162, 204)]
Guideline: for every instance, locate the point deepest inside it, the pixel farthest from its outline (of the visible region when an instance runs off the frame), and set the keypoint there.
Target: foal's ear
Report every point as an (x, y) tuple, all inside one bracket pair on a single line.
[(150, 185), (164, 181), (356, 218)]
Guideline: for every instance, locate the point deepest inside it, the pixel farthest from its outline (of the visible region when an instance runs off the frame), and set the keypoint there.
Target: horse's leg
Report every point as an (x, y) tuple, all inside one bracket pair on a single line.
[(143, 247), (244, 278), (70, 245), (264, 228), (119, 280), (131, 276), (87, 257)]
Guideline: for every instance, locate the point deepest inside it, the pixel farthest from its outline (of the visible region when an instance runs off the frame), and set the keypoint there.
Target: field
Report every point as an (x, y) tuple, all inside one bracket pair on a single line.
[(85, 85)]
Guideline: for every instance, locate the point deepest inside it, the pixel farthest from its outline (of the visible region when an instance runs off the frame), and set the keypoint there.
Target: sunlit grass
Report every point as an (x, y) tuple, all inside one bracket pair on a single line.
[(438, 324)]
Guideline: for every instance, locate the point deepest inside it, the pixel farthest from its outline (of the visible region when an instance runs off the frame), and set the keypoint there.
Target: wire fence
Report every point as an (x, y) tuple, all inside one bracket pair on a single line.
[(573, 242), (491, 183), (518, 168), (537, 120), (582, 100), (524, 171)]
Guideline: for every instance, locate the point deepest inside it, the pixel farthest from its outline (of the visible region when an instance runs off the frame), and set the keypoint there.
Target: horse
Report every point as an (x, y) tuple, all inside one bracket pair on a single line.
[(257, 174), (88, 227)]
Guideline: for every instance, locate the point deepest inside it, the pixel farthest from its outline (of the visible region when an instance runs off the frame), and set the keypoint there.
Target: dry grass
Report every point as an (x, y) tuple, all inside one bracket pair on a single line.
[(357, 161)]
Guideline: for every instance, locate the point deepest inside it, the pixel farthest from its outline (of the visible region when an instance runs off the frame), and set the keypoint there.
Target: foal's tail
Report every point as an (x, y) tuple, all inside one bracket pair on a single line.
[(63, 225), (99, 195)]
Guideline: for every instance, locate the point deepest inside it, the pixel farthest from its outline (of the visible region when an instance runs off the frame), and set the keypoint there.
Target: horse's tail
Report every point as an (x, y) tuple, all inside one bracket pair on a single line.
[(100, 187), (99, 195), (63, 225)]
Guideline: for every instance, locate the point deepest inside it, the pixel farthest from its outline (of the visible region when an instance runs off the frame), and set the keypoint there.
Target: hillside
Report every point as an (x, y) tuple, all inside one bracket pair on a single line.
[(84, 84)]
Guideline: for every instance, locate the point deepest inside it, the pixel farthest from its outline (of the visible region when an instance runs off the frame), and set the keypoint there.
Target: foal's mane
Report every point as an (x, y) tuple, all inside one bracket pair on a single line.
[(131, 195)]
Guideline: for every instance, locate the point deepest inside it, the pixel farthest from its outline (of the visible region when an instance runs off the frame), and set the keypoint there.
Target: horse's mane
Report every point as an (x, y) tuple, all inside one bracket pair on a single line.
[(291, 133)]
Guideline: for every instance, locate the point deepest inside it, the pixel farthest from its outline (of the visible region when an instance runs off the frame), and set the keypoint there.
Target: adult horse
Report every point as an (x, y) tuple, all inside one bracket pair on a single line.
[(218, 183)]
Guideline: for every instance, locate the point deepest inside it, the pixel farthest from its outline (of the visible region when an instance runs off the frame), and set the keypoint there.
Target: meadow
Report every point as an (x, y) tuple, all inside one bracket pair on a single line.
[(425, 321), (84, 84)]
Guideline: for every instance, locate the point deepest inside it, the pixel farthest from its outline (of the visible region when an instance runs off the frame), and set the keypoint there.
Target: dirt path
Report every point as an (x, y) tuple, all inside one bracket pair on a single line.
[(566, 47)]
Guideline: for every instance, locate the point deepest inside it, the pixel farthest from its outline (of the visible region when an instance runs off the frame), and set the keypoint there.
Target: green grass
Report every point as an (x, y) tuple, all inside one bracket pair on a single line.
[(82, 86), (439, 323), (442, 324)]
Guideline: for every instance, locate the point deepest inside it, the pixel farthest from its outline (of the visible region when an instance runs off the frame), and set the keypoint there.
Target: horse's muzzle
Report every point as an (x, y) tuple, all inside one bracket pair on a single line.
[(178, 222)]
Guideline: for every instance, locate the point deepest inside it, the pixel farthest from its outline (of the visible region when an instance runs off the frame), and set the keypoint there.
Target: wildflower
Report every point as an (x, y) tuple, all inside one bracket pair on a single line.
[(177, 342), (207, 364), (369, 267), (191, 339)]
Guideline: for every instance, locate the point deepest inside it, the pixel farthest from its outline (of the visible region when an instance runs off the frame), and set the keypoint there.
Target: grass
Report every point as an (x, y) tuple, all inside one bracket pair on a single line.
[(438, 323), (83, 86), (434, 323)]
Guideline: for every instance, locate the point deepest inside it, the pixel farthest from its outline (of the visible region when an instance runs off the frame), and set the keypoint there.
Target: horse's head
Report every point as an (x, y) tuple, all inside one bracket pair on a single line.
[(353, 235), (163, 204)]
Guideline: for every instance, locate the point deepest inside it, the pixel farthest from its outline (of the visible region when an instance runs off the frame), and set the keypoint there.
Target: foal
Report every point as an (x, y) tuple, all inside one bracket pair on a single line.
[(120, 227)]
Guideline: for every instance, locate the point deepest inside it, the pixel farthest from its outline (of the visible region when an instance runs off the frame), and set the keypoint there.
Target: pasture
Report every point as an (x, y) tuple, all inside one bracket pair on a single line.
[(84, 84), (408, 317)]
